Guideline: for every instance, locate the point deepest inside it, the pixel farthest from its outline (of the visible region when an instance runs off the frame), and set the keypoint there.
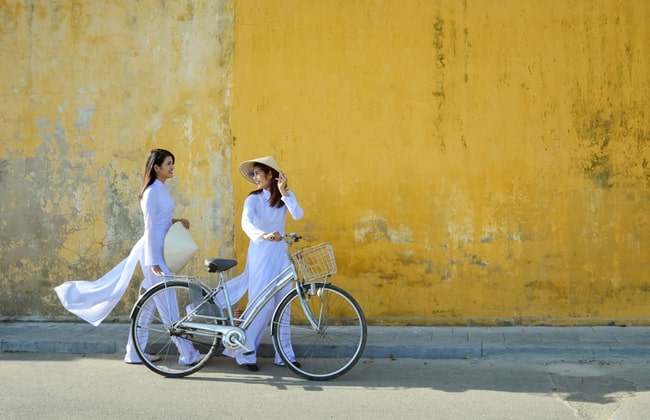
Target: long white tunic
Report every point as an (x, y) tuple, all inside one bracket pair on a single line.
[(93, 301), (265, 260)]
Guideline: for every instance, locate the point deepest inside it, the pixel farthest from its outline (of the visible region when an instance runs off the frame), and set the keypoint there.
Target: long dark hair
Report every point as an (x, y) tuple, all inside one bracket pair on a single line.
[(275, 199), (156, 157)]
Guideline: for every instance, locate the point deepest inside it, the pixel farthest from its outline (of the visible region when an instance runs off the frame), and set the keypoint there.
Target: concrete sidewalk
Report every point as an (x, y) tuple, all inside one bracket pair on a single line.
[(383, 342)]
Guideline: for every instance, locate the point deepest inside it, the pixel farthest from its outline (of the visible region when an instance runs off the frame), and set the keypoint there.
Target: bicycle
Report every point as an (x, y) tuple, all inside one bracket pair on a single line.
[(323, 323)]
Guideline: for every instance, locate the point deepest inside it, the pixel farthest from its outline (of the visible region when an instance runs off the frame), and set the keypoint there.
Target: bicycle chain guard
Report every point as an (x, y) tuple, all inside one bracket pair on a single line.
[(235, 339)]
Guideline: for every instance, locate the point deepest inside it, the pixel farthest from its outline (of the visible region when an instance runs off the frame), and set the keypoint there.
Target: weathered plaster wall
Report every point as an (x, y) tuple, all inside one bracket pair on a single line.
[(87, 89), (471, 161)]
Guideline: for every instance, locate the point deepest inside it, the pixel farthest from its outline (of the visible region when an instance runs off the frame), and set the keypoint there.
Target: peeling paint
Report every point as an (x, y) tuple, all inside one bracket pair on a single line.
[(469, 162), (84, 114), (376, 228), (94, 87), (511, 141)]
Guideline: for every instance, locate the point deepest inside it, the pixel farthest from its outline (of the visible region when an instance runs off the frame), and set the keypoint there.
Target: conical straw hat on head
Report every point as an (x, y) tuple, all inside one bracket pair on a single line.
[(246, 168)]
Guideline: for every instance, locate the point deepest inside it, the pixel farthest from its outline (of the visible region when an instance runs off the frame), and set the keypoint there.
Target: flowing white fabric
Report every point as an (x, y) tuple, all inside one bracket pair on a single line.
[(265, 260), (93, 301)]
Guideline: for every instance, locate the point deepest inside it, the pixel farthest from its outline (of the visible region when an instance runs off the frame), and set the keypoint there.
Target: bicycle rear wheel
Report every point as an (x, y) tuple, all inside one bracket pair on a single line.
[(331, 347), (157, 343)]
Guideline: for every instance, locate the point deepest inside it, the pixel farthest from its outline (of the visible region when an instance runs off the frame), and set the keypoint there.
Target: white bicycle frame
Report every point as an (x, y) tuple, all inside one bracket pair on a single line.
[(234, 337)]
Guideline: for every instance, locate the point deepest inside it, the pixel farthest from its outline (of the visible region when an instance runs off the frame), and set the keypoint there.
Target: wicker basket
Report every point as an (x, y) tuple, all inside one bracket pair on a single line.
[(315, 262)]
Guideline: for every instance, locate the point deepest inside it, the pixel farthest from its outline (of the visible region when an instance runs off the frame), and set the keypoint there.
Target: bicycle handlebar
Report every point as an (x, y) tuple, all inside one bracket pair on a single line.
[(292, 237)]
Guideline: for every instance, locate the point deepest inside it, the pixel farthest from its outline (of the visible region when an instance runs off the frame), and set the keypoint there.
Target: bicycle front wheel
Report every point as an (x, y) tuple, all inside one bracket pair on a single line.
[(326, 336), (162, 348)]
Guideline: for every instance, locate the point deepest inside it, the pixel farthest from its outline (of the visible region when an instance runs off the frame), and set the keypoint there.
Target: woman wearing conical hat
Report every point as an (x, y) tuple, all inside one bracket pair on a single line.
[(263, 221)]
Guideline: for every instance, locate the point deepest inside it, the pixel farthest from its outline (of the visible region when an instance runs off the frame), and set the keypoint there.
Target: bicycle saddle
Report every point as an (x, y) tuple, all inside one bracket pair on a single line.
[(217, 265)]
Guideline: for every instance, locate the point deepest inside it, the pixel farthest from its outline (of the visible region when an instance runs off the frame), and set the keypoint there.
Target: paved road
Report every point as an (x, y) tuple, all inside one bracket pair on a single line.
[(74, 370), (62, 385)]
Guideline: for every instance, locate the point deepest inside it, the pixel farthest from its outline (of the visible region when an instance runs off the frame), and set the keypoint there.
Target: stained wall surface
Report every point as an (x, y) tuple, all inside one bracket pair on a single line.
[(87, 89), (472, 162)]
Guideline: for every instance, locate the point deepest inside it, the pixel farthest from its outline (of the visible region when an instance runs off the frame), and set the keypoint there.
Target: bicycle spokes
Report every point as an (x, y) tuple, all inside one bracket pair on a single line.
[(326, 333)]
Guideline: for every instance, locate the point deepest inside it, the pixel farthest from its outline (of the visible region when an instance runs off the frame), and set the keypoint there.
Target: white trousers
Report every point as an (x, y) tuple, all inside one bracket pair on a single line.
[(167, 307), (257, 328)]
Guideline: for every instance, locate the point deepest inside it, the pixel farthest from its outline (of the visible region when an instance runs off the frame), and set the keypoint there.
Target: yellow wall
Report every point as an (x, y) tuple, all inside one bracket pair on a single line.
[(471, 161), (87, 89)]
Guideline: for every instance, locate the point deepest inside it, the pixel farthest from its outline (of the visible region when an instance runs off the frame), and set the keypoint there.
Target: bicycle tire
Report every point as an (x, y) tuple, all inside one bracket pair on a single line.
[(329, 351), (151, 334)]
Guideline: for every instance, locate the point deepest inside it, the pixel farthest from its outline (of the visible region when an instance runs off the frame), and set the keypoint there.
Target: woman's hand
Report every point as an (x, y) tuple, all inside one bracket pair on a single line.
[(157, 270), (185, 222), (274, 236), (282, 183)]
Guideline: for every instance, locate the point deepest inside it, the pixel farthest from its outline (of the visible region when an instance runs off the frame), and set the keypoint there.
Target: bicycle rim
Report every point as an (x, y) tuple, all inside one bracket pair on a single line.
[(161, 351), (334, 346)]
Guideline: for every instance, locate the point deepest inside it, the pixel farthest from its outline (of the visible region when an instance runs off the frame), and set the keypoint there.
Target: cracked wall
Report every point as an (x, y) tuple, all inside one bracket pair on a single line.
[(472, 162), (87, 89)]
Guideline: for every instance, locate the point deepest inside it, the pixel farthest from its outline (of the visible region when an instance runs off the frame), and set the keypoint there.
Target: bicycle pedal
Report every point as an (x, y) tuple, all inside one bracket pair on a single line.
[(248, 353)]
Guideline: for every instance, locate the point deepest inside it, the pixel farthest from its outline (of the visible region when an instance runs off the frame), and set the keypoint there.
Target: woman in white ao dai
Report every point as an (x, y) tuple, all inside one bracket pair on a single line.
[(93, 301), (263, 221)]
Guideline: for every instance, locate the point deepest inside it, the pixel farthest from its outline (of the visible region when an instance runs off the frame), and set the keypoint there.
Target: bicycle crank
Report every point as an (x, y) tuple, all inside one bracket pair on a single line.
[(235, 339)]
